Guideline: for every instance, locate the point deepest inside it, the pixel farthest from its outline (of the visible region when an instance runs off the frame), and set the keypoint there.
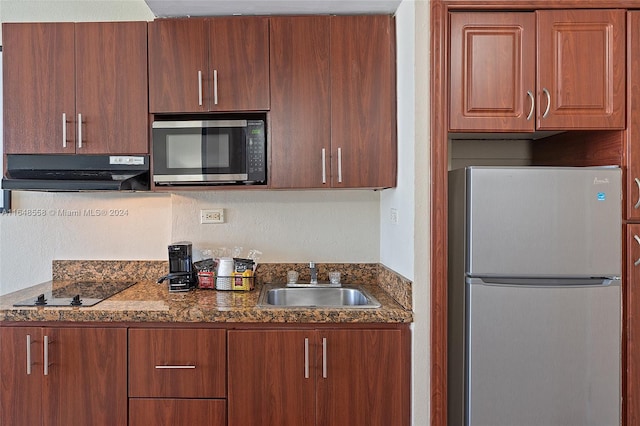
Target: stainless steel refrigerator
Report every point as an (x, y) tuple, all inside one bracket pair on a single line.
[(534, 296)]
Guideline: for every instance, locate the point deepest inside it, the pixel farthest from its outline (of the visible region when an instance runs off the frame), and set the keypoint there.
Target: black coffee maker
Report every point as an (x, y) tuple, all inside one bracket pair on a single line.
[(182, 276)]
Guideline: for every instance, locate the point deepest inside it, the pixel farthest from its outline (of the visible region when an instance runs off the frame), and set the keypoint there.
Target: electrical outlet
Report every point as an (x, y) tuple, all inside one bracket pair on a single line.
[(212, 216), (394, 216)]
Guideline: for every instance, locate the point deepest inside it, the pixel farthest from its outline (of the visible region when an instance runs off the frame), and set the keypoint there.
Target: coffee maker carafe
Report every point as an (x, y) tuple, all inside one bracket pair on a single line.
[(182, 276)]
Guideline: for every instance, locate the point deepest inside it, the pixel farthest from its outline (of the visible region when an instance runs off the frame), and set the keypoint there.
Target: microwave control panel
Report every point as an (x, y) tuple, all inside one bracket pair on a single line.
[(256, 151)]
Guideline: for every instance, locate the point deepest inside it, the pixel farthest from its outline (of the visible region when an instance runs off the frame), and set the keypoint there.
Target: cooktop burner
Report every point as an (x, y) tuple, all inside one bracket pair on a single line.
[(77, 293)]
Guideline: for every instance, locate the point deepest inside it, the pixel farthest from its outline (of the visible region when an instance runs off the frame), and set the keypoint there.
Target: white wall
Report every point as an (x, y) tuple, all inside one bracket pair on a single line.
[(396, 249), (422, 244)]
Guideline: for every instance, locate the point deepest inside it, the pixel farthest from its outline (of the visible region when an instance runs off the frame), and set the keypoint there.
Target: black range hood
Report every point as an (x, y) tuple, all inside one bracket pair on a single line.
[(51, 172)]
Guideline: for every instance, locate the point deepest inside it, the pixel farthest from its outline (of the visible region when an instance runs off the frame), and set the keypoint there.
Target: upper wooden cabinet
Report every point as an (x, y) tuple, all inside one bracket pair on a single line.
[(209, 64), (333, 102), (632, 211), (75, 88), (544, 70)]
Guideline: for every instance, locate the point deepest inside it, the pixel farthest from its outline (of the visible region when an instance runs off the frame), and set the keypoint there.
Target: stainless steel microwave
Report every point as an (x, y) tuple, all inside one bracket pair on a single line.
[(209, 152)]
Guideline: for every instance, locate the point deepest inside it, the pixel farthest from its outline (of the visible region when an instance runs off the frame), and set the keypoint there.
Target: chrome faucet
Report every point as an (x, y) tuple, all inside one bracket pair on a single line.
[(314, 273)]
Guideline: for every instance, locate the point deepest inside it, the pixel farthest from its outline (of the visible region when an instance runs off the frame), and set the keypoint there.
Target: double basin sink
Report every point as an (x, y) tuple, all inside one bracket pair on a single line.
[(316, 296)]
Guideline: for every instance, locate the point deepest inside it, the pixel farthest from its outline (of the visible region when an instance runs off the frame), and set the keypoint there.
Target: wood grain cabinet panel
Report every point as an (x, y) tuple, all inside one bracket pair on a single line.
[(21, 372), (581, 65), (300, 102), (631, 376), (57, 74), (177, 412), (492, 72), (78, 376), (177, 363), (356, 377), (209, 64), (363, 102), (333, 102), (633, 130), (543, 70)]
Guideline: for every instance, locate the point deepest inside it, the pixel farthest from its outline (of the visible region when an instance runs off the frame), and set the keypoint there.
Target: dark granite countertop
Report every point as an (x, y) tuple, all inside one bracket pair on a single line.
[(147, 301)]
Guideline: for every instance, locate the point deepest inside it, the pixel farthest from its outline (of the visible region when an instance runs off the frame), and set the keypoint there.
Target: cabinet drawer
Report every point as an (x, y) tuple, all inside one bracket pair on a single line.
[(177, 412), (177, 363)]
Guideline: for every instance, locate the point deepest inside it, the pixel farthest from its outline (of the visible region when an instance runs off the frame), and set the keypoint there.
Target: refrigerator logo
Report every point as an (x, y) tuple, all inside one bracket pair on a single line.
[(601, 196), (597, 181)]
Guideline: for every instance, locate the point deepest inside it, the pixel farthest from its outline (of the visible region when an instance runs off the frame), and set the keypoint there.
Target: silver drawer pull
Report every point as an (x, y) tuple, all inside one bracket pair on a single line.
[(548, 95), (175, 367), (45, 345), (306, 357), (28, 354), (324, 357), (533, 104), (637, 262), (637, 205)]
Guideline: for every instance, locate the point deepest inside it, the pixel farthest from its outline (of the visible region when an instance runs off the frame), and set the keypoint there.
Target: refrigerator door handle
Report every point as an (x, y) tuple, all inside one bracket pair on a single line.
[(544, 282)]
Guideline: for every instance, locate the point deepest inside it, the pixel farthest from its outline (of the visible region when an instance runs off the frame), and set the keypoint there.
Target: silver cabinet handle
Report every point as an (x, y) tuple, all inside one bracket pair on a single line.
[(215, 87), (339, 165), (306, 357), (637, 205), (324, 357), (46, 355), (79, 130), (200, 88), (533, 103), (28, 354), (324, 166), (64, 129), (175, 367), (546, 111), (637, 262)]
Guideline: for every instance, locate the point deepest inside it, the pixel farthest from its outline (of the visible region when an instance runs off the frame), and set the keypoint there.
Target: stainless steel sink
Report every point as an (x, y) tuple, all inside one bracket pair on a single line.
[(280, 296)]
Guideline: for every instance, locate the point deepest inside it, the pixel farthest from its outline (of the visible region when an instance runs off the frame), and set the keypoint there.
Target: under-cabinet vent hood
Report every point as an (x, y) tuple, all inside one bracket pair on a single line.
[(177, 8), (63, 173)]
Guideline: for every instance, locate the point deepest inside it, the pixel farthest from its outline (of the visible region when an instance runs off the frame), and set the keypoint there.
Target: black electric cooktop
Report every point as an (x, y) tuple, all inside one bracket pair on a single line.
[(76, 293)]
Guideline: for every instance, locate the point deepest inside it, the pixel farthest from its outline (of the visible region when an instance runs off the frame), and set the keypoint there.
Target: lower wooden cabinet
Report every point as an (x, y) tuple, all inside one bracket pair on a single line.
[(288, 375), (63, 376), (177, 412), (177, 376), (324, 377), (631, 376)]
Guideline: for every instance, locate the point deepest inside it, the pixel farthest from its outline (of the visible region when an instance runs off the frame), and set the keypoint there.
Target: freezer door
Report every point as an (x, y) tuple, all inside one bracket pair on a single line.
[(543, 355), (543, 221)]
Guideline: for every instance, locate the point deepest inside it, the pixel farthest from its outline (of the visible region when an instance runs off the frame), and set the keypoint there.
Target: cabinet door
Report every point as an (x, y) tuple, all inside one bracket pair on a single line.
[(178, 64), (633, 131), (21, 376), (364, 379), (111, 87), (271, 378), (492, 72), (39, 92), (363, 101), (581, 69), (177, 412), (300, 102), (177, 363), (87, 376), (632, 317), (239, 64)]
